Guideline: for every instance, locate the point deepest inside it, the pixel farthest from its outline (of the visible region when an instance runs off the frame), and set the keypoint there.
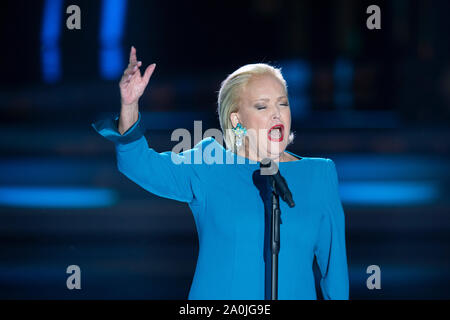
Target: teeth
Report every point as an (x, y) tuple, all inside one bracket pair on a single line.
[(275, 133)]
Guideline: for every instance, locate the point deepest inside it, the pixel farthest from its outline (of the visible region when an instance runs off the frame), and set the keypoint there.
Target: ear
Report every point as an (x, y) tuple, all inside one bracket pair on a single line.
[(234, 119)]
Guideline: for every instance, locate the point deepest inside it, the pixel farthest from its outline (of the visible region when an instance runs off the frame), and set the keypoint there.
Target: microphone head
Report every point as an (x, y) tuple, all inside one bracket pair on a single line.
[(265, 163), (268, 167)]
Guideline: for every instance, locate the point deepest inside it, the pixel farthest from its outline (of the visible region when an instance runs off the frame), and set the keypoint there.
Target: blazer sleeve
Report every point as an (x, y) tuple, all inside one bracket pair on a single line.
[(164, 174), (330, 247)]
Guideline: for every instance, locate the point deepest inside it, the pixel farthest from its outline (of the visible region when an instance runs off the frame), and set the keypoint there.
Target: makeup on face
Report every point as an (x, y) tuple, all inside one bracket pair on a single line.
[(264, 110), (276, 133)]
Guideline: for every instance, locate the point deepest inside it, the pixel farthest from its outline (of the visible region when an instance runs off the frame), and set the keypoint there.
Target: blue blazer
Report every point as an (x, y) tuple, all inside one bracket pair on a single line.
[(229, 216)]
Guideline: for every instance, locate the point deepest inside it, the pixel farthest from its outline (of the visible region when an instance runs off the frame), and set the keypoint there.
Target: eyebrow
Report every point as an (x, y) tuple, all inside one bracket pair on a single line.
[(267, 99)]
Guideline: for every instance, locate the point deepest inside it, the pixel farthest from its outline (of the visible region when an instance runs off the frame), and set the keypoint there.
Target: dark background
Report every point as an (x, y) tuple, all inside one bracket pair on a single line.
[(377, 102)]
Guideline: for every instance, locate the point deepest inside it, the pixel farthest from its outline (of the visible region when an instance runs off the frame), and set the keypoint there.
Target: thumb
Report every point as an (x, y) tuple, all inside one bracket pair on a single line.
[(148, 72)]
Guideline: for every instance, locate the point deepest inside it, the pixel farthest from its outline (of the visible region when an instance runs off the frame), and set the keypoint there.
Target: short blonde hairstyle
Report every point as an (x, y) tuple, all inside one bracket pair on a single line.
[(228, 99)]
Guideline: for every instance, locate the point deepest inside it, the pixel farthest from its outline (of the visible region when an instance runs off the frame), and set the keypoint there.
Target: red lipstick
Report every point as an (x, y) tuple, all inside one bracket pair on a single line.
[(281, 128)]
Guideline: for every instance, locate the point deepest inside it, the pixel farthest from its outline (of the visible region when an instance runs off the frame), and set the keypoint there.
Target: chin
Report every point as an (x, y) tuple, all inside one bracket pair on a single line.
[(276, 148)]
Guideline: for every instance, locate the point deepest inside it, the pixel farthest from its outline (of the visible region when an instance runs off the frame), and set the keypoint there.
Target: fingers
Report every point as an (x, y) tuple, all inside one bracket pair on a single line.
[(132, 68), (133, 58), (131, 71), (148, 72)]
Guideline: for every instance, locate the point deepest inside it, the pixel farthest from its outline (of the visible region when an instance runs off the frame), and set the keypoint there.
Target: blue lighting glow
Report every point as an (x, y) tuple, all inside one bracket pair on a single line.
[(297, 74), (51, 65), (111, 32), (377, 167), (388, 193), (36, 197), (343, 79), (50, 34)]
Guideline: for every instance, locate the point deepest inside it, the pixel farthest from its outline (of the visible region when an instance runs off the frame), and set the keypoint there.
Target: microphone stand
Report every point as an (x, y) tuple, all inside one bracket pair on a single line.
[(272, 250), (275, 239), (270, 189)]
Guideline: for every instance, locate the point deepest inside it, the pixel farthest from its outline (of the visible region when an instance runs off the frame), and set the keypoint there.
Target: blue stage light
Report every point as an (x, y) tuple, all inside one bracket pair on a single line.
[(111, 32), (297, 73), (388, 193), (43, 197), (50, 34), (343, 80), (384, 167)]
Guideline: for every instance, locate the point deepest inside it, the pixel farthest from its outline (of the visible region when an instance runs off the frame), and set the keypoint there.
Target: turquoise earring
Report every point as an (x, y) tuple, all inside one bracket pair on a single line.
[(240, 132)]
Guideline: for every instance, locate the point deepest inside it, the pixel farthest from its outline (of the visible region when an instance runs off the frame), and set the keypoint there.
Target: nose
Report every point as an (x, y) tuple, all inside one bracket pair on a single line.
[(276, 113)]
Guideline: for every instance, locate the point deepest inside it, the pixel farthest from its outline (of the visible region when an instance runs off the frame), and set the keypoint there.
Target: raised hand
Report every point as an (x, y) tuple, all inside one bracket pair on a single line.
[(132, 84)]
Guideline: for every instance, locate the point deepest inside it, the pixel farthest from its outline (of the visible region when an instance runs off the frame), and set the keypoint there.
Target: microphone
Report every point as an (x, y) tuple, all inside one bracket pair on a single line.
[(270, 168)]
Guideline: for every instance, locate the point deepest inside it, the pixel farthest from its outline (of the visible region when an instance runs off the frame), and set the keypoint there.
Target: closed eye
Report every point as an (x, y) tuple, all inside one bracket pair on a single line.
[(259, 107)]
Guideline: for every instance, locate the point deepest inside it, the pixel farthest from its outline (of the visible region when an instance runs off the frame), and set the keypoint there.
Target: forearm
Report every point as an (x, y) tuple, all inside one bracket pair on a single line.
[(129, 114), (156, 172)]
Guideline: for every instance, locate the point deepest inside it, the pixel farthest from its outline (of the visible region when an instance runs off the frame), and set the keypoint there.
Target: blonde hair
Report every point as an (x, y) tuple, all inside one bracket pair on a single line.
[(228, 98)]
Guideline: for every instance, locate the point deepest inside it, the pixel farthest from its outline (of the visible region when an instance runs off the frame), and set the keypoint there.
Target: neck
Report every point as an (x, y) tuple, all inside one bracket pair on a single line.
[(252, 155)]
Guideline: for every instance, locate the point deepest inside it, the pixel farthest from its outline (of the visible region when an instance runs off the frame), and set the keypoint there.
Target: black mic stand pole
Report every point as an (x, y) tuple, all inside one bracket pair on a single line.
[(275, 239), (272, 228), (271, 292)]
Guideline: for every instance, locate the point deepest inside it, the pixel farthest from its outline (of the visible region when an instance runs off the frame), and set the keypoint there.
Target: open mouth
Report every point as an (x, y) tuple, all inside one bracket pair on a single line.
[(276, 133)]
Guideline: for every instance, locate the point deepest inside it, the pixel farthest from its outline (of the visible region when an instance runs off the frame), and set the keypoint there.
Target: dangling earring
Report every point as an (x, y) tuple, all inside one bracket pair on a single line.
[(239, 132)]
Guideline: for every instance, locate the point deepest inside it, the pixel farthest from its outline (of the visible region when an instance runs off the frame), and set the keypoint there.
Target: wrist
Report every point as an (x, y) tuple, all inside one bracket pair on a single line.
[(127, 118), (128, 106)]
